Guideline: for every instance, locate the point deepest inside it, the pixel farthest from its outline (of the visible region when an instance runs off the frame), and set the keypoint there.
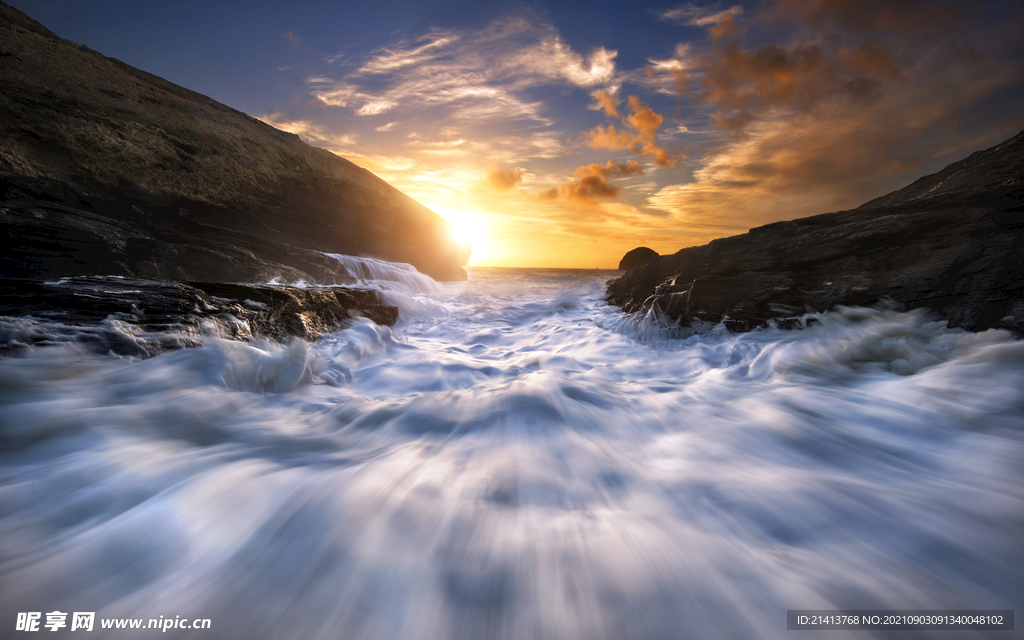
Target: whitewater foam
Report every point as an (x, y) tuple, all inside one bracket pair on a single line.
[(386, 275), (516, 459)]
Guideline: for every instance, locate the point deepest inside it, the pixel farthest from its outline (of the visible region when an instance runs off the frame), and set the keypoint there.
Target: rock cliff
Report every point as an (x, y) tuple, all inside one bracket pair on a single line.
[(108, 170), (952, 242)]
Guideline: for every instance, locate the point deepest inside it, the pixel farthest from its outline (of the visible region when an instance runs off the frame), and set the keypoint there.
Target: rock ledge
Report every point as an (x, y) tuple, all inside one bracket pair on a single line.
[(131, 316)]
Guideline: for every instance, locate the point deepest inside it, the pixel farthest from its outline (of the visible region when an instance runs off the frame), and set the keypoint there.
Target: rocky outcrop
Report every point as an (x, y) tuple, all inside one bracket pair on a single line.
[(637, 258), (106, 169), (952, 242), (136, 317)]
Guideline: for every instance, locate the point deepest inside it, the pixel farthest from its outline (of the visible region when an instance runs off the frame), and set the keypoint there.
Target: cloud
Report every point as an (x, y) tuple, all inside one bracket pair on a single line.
[(391, 60), (390, 167), (698, 16), (374, 107), (517, 146), (292, 38), (461, 96), (640, 134), (441, 147), (589, 188), (553, 59), (335, 94), (612, 169), (504, 180), (590, 183), (607, 103), (671, 76), (485, 84), (468, 75), (742, 84), (304, 128)]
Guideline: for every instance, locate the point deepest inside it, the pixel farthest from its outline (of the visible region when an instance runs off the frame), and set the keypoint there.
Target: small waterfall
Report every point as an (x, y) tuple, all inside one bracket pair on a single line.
[(384, 274)]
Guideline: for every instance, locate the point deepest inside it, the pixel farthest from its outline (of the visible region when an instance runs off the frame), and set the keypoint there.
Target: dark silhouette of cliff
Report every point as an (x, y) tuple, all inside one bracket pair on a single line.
[(952, 242), (109, 170)]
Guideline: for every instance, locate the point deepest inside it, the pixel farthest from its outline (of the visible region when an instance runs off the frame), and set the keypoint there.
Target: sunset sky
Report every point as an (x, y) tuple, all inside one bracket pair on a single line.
[(565, 134)]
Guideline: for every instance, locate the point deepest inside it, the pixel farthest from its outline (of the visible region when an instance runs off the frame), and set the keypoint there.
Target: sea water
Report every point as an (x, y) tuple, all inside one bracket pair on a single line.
[(517, 459)]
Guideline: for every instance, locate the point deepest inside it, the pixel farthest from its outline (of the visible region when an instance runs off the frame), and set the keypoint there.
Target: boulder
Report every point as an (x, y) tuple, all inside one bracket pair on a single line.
[(636, 258)]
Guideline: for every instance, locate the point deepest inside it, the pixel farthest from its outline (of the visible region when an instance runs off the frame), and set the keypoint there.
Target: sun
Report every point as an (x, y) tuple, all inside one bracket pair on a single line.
[(468, 226), (465, 230)]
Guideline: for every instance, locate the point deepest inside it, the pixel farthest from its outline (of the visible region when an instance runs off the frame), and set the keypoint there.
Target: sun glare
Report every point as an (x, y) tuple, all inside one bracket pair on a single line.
[(468, 227)]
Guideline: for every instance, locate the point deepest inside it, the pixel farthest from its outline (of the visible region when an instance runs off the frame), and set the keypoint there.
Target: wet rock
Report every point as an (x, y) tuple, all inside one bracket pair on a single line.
[(637, 257), (131, 316)]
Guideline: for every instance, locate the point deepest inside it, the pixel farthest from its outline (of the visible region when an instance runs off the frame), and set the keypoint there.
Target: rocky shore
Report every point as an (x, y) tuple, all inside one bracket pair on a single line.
[(130, 207), (136, 317), (951, 242)]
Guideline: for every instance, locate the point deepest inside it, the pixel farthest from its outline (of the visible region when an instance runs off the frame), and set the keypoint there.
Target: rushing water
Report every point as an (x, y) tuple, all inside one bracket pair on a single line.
[(516, 459)]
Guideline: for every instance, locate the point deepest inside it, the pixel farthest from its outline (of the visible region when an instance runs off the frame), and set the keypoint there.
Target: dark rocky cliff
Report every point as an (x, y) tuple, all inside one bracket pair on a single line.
[(952, 242), (106, 169)]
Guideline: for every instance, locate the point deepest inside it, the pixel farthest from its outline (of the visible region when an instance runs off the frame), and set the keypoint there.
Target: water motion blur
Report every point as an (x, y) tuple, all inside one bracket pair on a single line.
[(517, 459)]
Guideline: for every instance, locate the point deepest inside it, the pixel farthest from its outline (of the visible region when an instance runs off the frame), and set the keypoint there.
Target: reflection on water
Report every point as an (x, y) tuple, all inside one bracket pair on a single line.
[(511, 461)]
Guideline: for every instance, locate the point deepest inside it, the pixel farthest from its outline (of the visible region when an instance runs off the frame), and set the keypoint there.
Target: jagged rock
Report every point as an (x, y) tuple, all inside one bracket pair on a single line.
[(636, 258), (106, 169), (952, 242), (131, 316)]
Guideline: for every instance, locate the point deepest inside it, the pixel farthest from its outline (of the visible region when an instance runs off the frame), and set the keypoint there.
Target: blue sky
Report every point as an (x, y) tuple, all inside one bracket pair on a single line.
[(565, 134)]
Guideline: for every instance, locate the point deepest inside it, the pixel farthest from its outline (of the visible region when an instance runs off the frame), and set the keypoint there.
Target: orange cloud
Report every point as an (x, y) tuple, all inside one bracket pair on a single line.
[(587, 189), (640, 134), (591, 183), (601, 137), (607, 102), (643, 120), (504, 180), (611, 170), (551, 193)]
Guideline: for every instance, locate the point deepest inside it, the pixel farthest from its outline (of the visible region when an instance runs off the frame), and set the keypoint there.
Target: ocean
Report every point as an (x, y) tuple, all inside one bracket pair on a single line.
[(517, 459)]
